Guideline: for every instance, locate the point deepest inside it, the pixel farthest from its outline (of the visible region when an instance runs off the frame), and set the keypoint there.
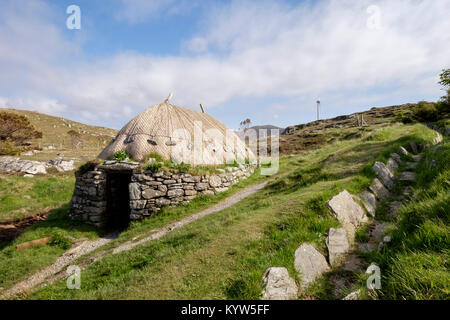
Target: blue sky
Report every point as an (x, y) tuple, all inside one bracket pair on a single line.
[(264, 60)]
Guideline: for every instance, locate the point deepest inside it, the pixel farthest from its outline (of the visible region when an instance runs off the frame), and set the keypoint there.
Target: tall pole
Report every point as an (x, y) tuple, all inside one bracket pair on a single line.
[(318, 105)]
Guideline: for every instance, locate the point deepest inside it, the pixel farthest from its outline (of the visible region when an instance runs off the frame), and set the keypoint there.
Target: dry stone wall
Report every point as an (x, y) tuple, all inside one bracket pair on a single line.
[(148, 192)]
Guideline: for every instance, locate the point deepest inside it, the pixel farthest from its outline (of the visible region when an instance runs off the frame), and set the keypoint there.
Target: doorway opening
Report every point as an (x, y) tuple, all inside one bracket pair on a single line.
[(118, 200)]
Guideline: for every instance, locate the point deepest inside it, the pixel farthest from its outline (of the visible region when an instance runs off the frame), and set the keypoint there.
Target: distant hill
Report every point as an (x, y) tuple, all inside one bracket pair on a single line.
[(56, 140), (314, 134)]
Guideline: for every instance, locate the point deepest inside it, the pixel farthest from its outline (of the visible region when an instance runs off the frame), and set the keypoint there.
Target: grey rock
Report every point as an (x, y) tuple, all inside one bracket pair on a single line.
[(278, 285), (346, 209), (138, 204), (392, 165), (407, 176), (135, 191), (413, 147), (309, 263), (433, 164), (175, 193), (386, 176), (411, 165), (369, 201), (403, 151), (417, 158), (201, 186), (438, 147), (337, 244), (215, 181), (396, 157), (151, 193), (353, 296)]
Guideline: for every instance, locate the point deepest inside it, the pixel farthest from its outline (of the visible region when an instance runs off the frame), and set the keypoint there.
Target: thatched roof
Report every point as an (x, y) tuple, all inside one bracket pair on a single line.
[(172, 131)]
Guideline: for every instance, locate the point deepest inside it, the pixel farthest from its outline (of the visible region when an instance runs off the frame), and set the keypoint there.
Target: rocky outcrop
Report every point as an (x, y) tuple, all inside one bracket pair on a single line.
[(31, 168), (278, 285), (309, 263)]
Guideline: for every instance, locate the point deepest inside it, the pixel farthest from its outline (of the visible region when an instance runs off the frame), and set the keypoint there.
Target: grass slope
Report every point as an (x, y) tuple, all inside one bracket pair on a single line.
[(223, 256)]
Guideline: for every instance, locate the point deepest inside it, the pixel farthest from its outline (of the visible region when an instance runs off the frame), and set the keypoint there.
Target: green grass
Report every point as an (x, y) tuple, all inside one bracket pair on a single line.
[(21, 196), (417, 264), (16, 265), (224, 255)]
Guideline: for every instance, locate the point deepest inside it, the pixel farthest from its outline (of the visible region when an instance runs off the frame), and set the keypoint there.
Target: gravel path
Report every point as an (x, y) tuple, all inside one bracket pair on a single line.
[(49, 274)]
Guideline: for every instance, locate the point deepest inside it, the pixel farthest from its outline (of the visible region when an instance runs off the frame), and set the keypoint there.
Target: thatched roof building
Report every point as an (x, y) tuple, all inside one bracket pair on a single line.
[(178, 134)]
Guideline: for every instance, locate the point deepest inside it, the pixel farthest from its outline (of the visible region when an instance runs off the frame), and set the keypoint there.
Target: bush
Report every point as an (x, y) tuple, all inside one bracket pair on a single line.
[(155, 156), (121, 156), (153, 167), (8, 148), (426, 112), (60, 240)]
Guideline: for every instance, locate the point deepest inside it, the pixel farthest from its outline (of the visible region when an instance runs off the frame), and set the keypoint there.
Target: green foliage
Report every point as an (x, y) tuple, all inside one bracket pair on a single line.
[(121, 156), (445, 78), (60, 240), (155, 156), (8, 148), (153, 167), (426, 112), (17, 128)]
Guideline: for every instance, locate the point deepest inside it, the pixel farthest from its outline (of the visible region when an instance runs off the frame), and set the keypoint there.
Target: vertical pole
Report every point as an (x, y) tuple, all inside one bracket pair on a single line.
[(318, 105)]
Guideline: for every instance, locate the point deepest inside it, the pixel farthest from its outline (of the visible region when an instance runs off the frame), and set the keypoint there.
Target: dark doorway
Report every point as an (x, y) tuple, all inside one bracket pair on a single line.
[(118, 200)]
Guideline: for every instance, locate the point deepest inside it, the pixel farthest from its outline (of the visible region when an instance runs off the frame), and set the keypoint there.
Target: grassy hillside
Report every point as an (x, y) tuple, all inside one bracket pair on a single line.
[(224, 256), (55, 135), (318, 133)]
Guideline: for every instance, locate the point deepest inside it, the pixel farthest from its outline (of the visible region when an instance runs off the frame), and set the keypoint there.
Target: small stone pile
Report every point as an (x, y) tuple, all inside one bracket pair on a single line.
[(30, 168)]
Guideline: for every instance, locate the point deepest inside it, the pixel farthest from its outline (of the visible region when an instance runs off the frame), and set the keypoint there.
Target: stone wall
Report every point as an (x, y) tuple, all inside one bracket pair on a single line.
[(148, 191)]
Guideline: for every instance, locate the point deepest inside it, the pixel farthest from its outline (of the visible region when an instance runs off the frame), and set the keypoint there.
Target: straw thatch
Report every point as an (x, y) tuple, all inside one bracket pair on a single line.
[(178, 134)]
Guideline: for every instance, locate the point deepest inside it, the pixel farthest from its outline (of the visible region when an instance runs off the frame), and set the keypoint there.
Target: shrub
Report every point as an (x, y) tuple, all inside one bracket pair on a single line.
[(121, 156), (153, 167), (8, 148), (155, 156), (60, 240), (426, 111)]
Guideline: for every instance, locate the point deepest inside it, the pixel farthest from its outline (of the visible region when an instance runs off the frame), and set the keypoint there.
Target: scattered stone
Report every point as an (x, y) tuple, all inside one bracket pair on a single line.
[(378, 189), (278, 285), (402, 151), (395, 205), (347, 210), (337, 244), (385, 174), (413, 147), (392, 165), (353, 263), (438, 147), (310, 263), (417, 158), (411, 165), (407, 176), (396, 157), (433, 164), (353, 296), (370, 202)]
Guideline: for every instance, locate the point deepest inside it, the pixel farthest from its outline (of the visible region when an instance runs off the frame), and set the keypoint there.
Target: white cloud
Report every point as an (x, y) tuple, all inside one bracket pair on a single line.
[(248, 49)]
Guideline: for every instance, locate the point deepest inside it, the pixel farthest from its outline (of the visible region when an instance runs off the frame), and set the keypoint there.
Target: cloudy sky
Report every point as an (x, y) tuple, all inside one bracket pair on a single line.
[(265, 60)]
